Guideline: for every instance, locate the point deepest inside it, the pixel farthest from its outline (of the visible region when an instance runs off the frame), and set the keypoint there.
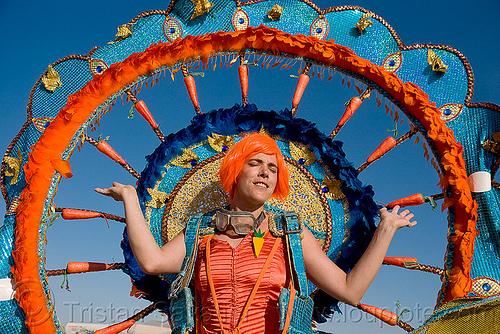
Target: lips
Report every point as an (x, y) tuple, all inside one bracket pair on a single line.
[(261, 184)]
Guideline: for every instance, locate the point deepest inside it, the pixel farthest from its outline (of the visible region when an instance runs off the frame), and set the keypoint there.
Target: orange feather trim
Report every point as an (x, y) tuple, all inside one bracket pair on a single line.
[(38, 170)]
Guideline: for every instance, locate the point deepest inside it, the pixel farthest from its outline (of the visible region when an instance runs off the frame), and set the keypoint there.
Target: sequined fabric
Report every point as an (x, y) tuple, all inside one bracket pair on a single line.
[(234, 272)]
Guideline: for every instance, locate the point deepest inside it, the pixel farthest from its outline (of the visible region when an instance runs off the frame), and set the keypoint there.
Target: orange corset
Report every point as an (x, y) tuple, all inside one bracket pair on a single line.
[(234, 272)]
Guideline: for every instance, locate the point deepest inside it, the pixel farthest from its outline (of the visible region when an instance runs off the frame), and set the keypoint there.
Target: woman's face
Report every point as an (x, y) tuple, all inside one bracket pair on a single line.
[(257, 180)]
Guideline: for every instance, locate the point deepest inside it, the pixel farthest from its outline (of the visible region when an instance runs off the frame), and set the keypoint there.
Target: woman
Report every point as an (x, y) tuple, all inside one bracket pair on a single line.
[(252, 172)]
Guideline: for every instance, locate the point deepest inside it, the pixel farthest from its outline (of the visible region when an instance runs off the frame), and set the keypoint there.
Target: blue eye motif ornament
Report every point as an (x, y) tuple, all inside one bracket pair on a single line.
[(42, 123), (393, 62), (241, 21), (450, 111), (485, 287), (97, 66), (319, 28), (172, 29)]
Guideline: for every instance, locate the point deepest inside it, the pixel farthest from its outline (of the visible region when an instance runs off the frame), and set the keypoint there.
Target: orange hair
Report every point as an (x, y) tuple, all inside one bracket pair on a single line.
[(241, 152)]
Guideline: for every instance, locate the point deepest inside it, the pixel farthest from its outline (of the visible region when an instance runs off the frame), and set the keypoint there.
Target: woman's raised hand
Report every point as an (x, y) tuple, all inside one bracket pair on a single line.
[(118, 191), (393, 219)]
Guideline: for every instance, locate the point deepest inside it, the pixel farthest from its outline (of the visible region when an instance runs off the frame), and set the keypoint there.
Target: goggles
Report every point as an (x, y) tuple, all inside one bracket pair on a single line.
[(243, 222)]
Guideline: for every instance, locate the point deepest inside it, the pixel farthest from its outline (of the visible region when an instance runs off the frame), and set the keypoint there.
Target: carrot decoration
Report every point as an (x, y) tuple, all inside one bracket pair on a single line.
[(85, 267), (80, 214), (115, 329), (388, 317), (243, 75), (383, 148), (141, 107), (353, 105), (63, 167), (258, 241), (299, 90), (105, 148), (72, 214), (191, 87), (403, 262), (415, 199)]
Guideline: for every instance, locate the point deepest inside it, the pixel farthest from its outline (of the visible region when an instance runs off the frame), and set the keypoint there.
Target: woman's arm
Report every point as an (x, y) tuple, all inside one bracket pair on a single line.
[(349, 288), (151, 258)]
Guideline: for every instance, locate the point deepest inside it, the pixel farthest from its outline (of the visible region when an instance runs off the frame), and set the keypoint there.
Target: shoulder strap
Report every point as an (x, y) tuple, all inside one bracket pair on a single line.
[(292, 229), (191, 241)]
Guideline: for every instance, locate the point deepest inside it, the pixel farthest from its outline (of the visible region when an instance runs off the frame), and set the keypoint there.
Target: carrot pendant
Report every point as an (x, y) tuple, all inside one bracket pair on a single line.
[(258, 241)]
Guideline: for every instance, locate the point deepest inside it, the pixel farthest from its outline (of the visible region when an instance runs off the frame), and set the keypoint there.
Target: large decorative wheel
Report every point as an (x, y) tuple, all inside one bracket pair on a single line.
[(180, 59)]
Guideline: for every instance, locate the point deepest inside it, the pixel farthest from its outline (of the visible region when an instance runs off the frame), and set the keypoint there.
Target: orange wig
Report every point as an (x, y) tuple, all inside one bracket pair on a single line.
[(241, 152)]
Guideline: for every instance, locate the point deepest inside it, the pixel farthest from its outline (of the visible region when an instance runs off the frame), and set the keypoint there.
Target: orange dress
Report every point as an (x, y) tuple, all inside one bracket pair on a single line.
[(234, 273)]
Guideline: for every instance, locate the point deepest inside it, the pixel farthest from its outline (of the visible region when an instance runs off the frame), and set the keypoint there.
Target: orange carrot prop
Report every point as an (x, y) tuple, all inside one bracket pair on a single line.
[(415, 199), (141, 107), (354, 104), (63, 167), (388, 317), (71, 214), (403, 262), (388, 144), (243, 75), (105, 148), (116, 328), (85, 267), (191, 87), (299, 90)]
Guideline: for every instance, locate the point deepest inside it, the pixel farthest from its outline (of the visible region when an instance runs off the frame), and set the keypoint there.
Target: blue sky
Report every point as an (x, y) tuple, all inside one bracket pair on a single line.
[(36, 34)]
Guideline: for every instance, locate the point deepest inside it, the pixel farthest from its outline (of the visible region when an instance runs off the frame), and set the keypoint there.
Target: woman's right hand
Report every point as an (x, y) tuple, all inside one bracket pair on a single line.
[(118, 191)]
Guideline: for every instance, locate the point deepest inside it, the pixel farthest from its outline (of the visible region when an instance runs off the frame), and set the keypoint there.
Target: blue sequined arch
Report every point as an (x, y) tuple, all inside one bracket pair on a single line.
[(236, 120)]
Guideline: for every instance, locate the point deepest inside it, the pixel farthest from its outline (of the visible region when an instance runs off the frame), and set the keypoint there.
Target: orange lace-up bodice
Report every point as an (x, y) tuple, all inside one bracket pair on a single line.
[(234, 272)]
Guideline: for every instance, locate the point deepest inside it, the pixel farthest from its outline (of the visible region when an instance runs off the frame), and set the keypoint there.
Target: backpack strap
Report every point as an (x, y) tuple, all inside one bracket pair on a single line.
[(292, 229)]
